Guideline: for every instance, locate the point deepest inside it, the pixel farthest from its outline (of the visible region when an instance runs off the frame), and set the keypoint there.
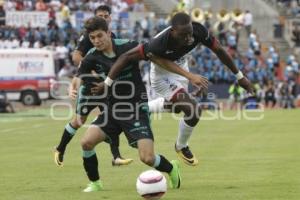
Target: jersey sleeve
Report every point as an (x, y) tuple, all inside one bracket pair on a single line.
[(84, 68), (131, 44), (113, 35), (204, 36), (152, 47), (125, 45), (83, 44)]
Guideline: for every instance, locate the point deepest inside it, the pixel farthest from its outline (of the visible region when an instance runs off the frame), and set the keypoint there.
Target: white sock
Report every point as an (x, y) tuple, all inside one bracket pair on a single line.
[(184, 134), (156, 105)]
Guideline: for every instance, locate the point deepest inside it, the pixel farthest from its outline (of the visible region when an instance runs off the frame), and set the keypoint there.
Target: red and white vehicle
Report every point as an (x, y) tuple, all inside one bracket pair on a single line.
[(27, 74)]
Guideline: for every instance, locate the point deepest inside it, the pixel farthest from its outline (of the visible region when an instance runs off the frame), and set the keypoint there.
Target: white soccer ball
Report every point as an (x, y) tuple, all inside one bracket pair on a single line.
[(151, 185)]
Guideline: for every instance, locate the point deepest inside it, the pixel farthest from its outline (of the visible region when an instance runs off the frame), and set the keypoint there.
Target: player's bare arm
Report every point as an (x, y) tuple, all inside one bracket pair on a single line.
[(75, 83), (227, 60), (123, 60), (76, 57), (136, 54), (196, 80)]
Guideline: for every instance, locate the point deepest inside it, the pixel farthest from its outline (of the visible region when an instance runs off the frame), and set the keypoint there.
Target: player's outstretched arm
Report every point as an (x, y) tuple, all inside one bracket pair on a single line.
[(133, 54), (76, 57), (74, 87), (75, 83), (228, 61), (196, 80)]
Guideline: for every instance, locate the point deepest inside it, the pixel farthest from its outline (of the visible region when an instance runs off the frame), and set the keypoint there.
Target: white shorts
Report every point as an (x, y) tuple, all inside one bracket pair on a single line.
[(166, 84)]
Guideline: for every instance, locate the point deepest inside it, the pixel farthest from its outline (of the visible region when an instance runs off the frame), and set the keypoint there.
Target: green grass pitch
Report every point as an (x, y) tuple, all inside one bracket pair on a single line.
[(239, 159)]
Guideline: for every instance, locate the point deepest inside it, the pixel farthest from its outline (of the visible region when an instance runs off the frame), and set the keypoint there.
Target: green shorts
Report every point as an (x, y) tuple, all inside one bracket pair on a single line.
[(135, 125)]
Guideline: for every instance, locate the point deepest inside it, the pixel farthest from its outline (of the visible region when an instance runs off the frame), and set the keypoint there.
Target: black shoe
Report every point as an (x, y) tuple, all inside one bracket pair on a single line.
[(187, 156)]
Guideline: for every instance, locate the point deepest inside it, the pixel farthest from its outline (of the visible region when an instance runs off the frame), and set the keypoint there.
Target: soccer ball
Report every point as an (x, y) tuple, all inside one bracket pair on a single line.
[(151, 185)]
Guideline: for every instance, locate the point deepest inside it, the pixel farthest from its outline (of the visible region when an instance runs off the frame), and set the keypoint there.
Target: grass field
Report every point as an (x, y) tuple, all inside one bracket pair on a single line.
[(239, 159)]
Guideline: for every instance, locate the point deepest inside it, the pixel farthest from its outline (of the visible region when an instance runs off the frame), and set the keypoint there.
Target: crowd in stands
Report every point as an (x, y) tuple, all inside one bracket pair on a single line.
[(288, 25), (72, 5), (273, 94), (260, 67), (292, 7), (61, 37), (289, 7)]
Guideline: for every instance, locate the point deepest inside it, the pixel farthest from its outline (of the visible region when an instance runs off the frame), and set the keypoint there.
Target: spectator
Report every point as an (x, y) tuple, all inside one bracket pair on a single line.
[(25, 44), (161, 25), (147, 27), (41, 6), (1, 43), (19, 5), (65, 12), (28, 5), (269, 95), (232, 41), (221, 32), (15, 43), (139, 6), (296, 36), (2, 14), (207, 22), (8, 43), (51, 12), (252, 38), (294, 8), (257, 48), (276, 59), (67, 71), (181, 6), (286, 94), (9, 5), (37, 44), (248, 20), (55, 4), (61, 52), (120, 6), (22, 31), (93, 4), (236, 95)]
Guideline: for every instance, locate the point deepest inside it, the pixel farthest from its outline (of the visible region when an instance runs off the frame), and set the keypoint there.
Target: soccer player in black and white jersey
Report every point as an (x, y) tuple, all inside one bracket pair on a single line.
[(174, 43), (83, 104)]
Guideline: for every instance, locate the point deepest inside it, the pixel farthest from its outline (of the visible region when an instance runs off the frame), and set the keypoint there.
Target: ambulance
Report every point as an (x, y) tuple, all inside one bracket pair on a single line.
[(27, 75)]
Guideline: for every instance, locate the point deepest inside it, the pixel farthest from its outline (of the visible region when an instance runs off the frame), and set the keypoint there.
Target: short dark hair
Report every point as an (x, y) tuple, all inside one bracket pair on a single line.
[(102, 8), (95, 23), (180, 18)]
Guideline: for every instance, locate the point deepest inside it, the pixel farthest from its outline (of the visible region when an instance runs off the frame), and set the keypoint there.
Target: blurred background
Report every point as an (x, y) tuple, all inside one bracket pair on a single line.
[(37, 38)]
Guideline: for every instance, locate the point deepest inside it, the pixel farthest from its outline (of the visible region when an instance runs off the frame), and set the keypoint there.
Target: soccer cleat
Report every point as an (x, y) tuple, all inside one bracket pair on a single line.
[(186, 155), (121, 161), (175, 178), (58, 158), (94, 186)]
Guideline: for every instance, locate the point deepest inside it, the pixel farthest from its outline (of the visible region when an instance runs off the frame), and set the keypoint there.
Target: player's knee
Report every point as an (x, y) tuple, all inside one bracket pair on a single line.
[(148, 159), (76, 123), (86, 144), (177, 109), (194, 116), (195, 111), (191, 111), (198, 112)]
